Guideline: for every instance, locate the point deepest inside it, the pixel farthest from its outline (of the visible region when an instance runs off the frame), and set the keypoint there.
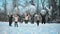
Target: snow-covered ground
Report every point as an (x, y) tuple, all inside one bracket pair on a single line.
[(29, 28)]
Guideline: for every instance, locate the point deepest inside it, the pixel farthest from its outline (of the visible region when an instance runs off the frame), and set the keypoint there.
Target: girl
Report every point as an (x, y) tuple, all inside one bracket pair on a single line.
[(16, 20)]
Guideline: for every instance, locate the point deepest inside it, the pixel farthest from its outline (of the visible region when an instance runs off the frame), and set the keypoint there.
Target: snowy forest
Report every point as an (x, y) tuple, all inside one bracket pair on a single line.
[(10, 7)]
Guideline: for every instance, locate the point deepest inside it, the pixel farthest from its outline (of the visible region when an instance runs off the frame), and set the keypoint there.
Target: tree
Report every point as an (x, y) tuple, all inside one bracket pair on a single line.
[(38, 6), (54, 6), (4, 5), (59, 8), (15, 4), (43, 1)]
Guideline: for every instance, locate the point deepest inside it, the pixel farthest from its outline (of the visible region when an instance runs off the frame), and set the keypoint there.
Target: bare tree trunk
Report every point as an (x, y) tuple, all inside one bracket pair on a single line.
[(59, 8), (37, 6), (5, 4), (5, 10)]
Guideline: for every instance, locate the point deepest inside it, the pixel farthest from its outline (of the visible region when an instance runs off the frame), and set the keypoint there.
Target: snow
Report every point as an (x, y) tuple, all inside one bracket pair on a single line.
[(29, 28)]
